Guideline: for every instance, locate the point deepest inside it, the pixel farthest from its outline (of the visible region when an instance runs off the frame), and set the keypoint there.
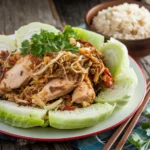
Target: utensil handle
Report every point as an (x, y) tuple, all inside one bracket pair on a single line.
[(119, 130), (134, 120), (115, 135)]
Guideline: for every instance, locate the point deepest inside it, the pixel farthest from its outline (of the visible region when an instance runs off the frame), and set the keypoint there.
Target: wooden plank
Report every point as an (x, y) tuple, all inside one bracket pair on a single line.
[(63, 146), (145, 63), (8, 19), (42, 146), (69, 11), (1, 17), (25, 147), (21, 147), (73, 12), (47, 16), (7, 145), (23, 12), (56, 15)]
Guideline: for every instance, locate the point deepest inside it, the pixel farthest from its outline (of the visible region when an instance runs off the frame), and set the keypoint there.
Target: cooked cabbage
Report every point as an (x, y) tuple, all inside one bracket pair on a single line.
[(121, 91), (81, 117), (21, 116), (96, 39), (25, 32), (115, 57), (7, 43)]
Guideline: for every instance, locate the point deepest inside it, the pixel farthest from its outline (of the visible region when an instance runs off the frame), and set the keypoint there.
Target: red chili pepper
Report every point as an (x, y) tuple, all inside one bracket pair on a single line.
[(106, 71), (85, 42), (109, 81), (12, 62), (108, 78)]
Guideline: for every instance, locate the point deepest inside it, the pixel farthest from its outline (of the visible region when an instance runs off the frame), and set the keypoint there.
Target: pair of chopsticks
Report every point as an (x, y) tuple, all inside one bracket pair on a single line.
[(134, 119)]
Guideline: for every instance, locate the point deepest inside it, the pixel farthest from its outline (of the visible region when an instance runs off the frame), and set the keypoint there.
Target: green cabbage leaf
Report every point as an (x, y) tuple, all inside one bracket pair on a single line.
[(7, 43), (26, 32), (80, 117), (95, 39), (21, 116)]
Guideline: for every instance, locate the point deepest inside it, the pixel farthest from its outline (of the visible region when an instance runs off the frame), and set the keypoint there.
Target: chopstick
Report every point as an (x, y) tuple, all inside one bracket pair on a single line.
[(135, 117)]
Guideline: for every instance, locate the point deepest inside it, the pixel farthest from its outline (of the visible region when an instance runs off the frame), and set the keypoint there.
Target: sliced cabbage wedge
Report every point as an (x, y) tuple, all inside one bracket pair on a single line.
[(26, 32), (21, 116), (81, 117), (115, 57), (7, 43), (95, 39), (121, 91)]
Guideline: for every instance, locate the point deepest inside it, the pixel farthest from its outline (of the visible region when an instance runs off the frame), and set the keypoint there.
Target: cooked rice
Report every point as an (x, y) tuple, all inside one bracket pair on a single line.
[(126, 21)]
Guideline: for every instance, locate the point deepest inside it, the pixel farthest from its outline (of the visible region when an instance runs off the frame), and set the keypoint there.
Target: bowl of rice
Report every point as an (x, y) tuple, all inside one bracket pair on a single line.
[(125, 20)]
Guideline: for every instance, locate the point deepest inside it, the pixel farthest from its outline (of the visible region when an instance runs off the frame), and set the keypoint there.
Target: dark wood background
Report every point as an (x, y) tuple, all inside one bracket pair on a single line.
[(15, 13)]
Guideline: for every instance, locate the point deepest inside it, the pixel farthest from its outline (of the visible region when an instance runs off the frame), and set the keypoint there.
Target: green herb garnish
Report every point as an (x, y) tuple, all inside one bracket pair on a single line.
[(137, 141), (46, 42), (147, 112), (145, 125)]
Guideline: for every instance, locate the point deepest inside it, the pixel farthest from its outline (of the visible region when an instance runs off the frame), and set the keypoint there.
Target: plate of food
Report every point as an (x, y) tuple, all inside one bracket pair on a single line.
[(65, 85)]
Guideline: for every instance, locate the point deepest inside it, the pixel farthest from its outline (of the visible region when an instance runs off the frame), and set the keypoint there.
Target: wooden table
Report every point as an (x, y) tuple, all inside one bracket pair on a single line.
[(15, 13)]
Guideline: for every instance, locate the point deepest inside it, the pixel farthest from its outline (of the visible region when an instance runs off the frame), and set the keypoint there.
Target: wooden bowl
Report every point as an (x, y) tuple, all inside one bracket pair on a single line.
[(136, 48)]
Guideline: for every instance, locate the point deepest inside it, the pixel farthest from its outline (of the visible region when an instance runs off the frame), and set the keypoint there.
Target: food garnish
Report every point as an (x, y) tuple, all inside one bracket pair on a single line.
[(46, 42), (53, 78)]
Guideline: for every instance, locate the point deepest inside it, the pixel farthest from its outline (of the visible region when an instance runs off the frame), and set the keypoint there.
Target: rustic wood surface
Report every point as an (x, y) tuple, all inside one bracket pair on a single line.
[(15, 13)]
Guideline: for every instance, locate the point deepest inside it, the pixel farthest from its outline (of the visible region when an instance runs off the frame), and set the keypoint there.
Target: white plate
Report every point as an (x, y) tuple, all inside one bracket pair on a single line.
[(119, 116)]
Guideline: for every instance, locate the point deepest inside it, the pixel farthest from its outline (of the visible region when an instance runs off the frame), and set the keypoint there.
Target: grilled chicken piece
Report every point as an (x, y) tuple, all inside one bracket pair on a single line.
[(16, 76), (83, 93), (56, 88)]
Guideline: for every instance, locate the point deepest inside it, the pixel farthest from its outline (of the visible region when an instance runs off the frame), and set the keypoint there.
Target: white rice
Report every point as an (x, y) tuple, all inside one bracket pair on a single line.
[(126, 21)]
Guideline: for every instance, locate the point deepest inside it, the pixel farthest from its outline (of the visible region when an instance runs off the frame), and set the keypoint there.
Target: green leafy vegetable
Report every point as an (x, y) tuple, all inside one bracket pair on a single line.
[(147, 112), (7, 43), (137, 141), (25, 47), (95, 39), (145, 125), (148, 131), (21, 116), (116, 58), (27, 31), (121, 91), (81, 117), (46, 42)]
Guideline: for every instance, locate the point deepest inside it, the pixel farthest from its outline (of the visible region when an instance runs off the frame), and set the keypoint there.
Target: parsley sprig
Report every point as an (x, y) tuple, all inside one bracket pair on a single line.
[(139, 142), (46, 42), (137, 139)]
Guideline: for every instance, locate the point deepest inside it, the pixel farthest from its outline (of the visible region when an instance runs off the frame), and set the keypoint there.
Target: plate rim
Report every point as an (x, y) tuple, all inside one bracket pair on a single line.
[(90, 134)]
